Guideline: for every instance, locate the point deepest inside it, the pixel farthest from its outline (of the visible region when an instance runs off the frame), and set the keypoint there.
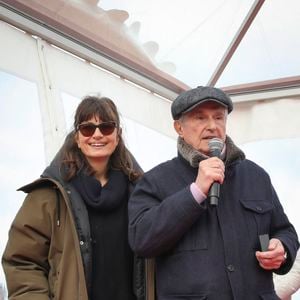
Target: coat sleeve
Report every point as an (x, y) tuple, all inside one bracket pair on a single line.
[(25, 259), (158, 221)]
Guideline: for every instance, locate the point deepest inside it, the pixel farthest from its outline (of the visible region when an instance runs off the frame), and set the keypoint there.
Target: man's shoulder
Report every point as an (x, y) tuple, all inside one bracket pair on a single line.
[(251, 165), (249, 170)]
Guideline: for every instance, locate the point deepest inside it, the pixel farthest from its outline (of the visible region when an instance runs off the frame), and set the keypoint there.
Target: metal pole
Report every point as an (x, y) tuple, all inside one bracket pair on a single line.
[(236, 41)]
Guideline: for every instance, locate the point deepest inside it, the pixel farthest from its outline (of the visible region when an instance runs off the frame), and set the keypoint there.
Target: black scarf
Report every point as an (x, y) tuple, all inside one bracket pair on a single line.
[(112, 259), (104, 198)]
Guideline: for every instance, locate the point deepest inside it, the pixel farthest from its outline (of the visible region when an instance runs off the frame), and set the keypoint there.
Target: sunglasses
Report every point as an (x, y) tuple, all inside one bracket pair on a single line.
[(88, 129)]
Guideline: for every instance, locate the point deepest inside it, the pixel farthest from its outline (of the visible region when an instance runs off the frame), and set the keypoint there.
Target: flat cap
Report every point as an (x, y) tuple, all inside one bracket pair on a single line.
[(188, 100)]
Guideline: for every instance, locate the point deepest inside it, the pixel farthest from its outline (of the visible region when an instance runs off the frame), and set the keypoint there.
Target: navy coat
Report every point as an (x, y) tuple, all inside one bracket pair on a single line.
[(205, 252)]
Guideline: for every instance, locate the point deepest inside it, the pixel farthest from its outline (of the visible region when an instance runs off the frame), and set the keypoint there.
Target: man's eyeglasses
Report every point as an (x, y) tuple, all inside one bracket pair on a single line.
[(88, 129)]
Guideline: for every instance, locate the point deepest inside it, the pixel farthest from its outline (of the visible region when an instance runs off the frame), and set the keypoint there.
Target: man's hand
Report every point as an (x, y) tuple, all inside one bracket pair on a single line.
[(274, 257), (210, 170)]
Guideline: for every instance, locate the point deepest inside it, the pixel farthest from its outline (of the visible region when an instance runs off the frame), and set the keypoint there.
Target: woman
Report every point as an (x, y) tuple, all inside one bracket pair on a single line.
[(69, 238), (288, 284)]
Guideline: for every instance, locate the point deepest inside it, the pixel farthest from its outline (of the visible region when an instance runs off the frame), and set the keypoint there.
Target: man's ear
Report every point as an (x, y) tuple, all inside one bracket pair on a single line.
[(178, 127)]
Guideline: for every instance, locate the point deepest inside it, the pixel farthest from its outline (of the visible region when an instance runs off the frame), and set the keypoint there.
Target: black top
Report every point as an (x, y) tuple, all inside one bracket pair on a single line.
[(112, 259)]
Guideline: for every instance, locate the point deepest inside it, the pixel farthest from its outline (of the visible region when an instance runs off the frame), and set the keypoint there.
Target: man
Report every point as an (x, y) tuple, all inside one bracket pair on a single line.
[(205, 251)]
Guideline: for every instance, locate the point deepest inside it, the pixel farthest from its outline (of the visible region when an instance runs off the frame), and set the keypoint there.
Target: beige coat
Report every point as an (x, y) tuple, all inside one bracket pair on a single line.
[(42, 259), (288, 284)]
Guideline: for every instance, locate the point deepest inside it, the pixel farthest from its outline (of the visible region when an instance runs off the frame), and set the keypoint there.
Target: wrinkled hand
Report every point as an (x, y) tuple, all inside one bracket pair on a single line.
[(210, 170), (274, 257)]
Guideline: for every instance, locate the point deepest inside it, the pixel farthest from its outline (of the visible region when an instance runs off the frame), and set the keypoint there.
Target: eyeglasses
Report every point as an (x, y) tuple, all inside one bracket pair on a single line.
[(88, 129)]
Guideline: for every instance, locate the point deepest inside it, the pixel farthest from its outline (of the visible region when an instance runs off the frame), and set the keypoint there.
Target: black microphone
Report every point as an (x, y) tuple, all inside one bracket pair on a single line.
[(215, 148)]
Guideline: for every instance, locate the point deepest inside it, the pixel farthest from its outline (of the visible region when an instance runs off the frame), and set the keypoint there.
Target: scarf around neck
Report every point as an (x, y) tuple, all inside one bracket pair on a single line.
[(193, 157), (104, 198)]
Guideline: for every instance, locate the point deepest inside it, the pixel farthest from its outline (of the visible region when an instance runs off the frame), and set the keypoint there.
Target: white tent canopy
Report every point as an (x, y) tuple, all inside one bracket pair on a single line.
[(49, 61)]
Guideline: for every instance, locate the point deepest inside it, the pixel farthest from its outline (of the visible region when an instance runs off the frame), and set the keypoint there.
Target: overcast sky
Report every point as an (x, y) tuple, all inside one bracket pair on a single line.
[(194, 35)]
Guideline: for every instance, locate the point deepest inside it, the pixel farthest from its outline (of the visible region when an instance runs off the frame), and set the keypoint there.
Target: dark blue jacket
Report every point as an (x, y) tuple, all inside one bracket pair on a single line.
[(205, 252)]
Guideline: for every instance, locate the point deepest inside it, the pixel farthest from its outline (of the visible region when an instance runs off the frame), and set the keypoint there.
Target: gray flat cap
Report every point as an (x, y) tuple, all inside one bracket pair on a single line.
[(188, 100)]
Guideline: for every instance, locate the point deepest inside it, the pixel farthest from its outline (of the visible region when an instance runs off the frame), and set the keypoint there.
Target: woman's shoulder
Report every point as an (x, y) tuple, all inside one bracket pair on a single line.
[(40, 183), (40, 192)]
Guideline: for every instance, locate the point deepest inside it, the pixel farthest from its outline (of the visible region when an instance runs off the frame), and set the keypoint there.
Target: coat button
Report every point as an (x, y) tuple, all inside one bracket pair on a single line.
[(258, 208), (230, 268), (81, 243)]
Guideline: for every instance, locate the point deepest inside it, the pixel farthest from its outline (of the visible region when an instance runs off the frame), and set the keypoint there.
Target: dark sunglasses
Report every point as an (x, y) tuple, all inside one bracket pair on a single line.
[(88, 129)]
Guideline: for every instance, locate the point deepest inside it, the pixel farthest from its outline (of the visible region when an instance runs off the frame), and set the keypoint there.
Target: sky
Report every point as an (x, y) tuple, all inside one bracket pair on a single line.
[(22, 149), (195, 38)]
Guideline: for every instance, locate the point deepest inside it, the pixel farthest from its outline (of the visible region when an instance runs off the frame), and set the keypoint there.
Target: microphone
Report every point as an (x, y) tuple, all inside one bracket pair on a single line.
[(215, 148)]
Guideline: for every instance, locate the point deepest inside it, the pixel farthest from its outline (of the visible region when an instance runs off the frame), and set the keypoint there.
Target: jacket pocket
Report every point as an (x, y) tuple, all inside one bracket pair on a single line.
[(53, 282), (53, 277), (257, 214)]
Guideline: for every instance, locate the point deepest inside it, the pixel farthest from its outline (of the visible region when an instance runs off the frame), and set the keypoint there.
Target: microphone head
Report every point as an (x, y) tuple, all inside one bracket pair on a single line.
[(215, 147)]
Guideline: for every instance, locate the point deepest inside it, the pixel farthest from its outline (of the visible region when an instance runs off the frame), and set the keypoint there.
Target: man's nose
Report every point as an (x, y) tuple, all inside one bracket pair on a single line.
[(211, 123)]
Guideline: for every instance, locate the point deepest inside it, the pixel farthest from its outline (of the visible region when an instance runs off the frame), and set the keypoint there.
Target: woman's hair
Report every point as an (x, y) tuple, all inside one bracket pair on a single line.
[(73, 160)]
